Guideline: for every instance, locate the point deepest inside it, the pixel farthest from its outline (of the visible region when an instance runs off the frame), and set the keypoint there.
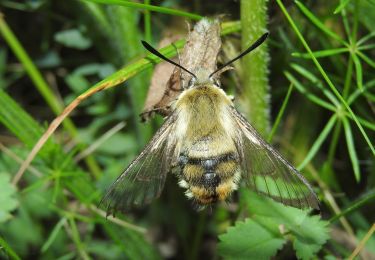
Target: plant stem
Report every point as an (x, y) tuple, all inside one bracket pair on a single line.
[(254, 99)]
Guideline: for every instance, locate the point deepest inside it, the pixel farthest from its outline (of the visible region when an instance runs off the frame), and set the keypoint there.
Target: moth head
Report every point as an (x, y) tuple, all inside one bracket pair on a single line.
[(201, 76)]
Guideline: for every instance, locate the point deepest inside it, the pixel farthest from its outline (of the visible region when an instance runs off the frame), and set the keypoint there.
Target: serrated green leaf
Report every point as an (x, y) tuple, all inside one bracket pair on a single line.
[(309, 232), (7, 200), (249, 240)]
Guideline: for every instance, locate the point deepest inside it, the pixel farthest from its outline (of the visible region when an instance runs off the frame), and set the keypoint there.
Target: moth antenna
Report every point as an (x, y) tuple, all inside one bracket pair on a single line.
[(179, 62), (161, 56), (248, 50)]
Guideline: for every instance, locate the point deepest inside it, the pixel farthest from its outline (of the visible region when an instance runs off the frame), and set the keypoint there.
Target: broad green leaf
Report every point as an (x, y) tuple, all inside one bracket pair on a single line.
[(73, 38), (7, 197), (309, 232), (249, 240)]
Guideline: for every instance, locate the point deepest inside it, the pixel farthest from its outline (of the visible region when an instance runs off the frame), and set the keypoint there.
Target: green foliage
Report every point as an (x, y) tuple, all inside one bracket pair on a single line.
[(321, 75), (250, 240), (73, 38), (8, 203), (272, 225)]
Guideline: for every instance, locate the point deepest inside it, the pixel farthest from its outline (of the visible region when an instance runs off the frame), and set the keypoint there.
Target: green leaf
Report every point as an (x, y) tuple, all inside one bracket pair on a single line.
[(73, 38), (309, 232), (53, 235), (318, 142), (358, 70), (320, 54), (249, 240), (318, 23), (301, 88), (7, 200), (341, 6), (5, 247), (351, 149)]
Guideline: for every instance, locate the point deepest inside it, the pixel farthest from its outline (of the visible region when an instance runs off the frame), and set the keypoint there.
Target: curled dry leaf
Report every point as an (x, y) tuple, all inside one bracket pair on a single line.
[(201, 50)]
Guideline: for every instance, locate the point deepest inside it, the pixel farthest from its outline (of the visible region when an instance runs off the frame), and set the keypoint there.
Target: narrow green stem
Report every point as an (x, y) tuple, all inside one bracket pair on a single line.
[(357, 204), (280, 114), (254, 99), (337, 129), (77, 240), (153, 8), (5, 247)]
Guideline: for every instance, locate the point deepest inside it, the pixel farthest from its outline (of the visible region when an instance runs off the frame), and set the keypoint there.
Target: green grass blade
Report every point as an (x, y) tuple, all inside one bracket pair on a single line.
[(366, 199), (366, 59), (366, 47), (351, 148), (152, 8), (358, 71), (316, 83), (365, 38), (325, 76), (341, 6), (320, 54), (313, 98), (53, 235), (16, 120), (5, 246), (318, 142), (318, 23), (280, 114)]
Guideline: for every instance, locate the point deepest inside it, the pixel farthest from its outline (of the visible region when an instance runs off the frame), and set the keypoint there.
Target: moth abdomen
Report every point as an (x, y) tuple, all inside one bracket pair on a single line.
[(209, 179)]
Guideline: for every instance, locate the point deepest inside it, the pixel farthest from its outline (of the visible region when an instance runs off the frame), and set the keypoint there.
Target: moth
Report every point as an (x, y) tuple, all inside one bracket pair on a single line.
[(211, 147)]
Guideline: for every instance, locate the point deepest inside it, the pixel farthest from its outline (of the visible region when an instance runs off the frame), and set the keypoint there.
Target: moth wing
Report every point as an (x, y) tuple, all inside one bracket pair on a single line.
[(267, 172), (144, 178)]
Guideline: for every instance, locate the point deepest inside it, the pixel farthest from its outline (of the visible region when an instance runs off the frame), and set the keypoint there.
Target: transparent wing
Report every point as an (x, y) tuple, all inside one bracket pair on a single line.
[(267, 172), (144, 178)]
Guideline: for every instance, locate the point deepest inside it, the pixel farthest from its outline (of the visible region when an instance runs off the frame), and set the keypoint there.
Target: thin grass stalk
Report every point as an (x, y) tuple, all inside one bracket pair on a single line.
[(254, 99)]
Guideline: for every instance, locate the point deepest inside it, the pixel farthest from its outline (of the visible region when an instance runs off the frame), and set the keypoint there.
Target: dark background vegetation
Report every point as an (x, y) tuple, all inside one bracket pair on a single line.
[(52, 211)]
